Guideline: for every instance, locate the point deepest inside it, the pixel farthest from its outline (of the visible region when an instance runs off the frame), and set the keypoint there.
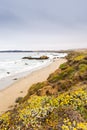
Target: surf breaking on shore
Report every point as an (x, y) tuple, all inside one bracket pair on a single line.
[(13, 66)]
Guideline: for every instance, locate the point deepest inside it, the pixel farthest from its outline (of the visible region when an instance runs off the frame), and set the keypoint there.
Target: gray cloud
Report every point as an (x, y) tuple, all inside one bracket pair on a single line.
[(53, 22)]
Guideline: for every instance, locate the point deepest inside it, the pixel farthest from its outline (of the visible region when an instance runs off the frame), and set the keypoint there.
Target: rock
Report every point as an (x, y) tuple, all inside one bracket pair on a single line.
[(8, 72), (21, 91), (44, 57), (26, 63), (15, 79), (36, 58)]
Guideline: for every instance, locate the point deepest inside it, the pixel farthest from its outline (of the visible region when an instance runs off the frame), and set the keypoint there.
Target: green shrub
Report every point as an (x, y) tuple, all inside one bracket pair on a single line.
[(33, 89), (63, 66), (82, 67)]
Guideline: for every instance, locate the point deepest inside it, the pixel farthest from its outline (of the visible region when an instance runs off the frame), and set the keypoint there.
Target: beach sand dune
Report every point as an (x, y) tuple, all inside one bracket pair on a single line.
[(21, 86)]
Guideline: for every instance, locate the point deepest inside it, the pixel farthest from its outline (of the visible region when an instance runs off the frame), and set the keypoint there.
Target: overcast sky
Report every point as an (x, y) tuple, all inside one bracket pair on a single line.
[(43, 24)]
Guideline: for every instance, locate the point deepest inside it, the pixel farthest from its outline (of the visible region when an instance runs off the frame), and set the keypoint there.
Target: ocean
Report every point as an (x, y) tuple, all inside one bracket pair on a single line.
[(12, 64)]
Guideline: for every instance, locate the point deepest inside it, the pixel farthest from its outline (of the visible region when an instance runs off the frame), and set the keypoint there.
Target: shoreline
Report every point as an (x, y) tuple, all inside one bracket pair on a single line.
[(20, 87), (9, 80)]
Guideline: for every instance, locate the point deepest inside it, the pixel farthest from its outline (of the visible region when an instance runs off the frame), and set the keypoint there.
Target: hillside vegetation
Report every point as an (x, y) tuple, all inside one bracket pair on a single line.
[(60, 103)]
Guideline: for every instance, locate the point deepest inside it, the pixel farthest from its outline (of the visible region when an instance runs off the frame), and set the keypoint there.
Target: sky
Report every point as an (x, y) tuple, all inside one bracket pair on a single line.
[(43, 24)]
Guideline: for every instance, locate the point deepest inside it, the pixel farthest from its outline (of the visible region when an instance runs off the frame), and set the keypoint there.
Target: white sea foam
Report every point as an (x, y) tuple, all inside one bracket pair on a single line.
[(12, 64)]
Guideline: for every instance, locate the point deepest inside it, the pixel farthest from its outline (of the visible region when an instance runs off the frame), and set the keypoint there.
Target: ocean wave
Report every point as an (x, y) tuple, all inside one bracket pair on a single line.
[(13, 65)]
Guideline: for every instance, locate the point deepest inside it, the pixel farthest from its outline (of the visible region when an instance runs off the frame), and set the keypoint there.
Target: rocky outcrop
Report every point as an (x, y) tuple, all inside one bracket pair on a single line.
[(36, 58)]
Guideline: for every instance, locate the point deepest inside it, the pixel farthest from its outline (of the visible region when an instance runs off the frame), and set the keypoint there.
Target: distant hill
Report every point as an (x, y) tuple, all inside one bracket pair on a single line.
[(4, 51)]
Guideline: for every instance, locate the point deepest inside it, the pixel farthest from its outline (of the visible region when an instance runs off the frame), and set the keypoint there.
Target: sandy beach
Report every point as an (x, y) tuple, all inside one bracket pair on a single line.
[(21, 86)]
